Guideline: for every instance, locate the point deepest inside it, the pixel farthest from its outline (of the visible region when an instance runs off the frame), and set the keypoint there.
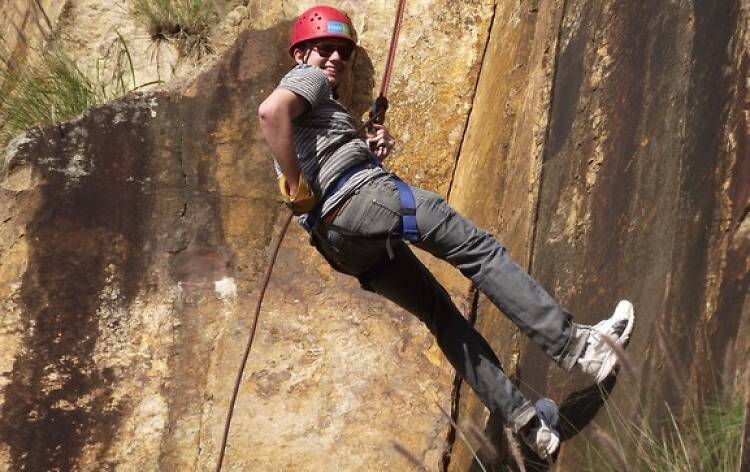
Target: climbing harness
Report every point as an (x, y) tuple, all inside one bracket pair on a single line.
[(312, 219), (341, 25), (409, 229)]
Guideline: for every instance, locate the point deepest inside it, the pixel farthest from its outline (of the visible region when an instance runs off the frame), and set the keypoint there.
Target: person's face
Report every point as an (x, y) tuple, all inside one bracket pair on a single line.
[(333, 56)]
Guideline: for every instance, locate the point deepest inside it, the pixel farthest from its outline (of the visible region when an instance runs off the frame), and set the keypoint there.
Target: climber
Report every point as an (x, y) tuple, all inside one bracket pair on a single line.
[(358, 215)]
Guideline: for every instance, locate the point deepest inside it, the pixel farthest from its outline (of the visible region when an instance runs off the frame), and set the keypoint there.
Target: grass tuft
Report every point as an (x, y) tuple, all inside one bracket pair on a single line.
[(186, 21), (51, 88), (709, 439)]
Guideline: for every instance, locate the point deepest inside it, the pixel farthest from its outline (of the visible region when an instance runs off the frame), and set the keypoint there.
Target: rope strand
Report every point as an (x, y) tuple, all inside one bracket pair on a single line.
[(392, 49), (238, 380)]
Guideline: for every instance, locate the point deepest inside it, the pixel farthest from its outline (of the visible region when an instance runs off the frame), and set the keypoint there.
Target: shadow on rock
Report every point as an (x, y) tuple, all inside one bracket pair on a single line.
[(577, 410), (582, 406)]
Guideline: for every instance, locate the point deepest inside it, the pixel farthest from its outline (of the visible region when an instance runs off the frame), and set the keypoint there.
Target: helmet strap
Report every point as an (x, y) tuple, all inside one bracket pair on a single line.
[(306, 57)]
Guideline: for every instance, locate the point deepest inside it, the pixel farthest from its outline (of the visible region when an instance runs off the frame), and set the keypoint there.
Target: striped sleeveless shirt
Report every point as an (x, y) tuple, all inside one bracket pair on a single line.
[(325, 137)]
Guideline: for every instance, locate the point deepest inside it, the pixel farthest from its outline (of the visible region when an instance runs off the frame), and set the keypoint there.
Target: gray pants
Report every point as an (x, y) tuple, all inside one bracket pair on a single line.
[(364, 241)]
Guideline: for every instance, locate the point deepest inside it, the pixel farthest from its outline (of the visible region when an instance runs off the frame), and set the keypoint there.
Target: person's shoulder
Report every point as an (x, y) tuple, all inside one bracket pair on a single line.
[(308, 81), (306, 70)]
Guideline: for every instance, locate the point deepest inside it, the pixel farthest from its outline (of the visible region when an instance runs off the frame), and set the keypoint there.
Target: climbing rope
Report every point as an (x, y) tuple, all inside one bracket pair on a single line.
[(249, 344), (380, 105), (392, 49)]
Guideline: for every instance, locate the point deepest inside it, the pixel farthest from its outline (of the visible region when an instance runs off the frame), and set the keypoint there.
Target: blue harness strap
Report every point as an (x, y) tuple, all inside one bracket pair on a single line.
[(313, 218), (409, 228)]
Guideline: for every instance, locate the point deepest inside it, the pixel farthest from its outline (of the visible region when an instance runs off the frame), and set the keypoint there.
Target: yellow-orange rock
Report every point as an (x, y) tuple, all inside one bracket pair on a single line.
[(604, 144)]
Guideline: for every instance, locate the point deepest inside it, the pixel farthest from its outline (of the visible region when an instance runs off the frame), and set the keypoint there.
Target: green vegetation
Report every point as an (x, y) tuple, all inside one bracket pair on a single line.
[(708, 439), (703, 438), (52, 88), (186, 21)]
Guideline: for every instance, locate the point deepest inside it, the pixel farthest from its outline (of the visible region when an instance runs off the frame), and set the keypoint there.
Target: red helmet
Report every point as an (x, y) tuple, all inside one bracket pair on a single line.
[(321, 21)]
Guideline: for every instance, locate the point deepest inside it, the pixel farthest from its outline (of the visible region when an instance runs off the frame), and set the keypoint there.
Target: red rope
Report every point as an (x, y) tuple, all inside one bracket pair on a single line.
[(392, 49), (238, 380)]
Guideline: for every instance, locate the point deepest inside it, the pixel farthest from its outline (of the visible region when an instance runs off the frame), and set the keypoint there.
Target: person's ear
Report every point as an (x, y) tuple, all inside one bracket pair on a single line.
[(299, 55)]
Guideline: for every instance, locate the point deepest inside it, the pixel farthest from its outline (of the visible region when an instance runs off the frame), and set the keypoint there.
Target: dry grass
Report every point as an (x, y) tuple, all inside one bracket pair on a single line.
[(707, 439), (51, 88), (418, 466), (464, 438), (515, 451), (188, 22)]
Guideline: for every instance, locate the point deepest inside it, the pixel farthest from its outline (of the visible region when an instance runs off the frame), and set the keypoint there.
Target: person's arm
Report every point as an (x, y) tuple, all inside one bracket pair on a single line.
[(276, 114)]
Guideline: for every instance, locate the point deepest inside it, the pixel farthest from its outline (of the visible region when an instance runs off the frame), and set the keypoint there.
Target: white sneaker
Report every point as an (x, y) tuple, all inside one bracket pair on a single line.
[(598, 357), (543, 437)]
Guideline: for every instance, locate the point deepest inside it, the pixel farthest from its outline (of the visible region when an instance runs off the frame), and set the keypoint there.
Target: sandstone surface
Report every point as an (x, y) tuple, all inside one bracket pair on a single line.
[(604, 143), (134, 262)]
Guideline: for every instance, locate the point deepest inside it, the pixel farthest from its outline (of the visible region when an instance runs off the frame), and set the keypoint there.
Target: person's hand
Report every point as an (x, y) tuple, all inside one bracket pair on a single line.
[(299, 198), (380, 141)]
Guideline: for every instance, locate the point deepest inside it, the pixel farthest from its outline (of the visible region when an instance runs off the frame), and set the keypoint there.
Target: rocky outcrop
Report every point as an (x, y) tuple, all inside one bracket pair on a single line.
[(605, 145), (134, 238), (621, 166)]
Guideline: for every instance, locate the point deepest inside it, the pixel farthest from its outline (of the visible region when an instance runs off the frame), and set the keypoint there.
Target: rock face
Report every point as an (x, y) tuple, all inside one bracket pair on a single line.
[(622, 172), (134, 239), (652, 97), (605, 145)]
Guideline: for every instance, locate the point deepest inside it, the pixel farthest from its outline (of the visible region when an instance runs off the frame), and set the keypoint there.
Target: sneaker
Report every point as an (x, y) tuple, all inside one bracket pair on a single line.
[(598, 357), (542, 437)]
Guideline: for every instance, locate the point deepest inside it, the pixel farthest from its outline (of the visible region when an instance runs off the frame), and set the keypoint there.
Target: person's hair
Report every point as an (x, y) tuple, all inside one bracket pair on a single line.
[(305, 47)]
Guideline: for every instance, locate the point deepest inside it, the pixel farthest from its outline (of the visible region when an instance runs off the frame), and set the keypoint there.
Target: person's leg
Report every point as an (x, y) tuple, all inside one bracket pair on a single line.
[(405, 281), (479, 256), (360, 242), (375, 212)]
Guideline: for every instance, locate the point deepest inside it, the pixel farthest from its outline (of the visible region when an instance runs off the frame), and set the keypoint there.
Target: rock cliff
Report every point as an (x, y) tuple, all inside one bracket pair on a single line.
[(604, 144)]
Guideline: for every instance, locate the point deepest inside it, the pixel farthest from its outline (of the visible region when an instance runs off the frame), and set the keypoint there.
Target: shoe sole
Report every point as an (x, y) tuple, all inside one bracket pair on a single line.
[(623, 310), (550, 415), (552, 447)]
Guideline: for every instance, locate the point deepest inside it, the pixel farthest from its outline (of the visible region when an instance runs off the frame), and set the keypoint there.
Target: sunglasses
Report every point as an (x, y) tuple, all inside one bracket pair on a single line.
[(326, 49)]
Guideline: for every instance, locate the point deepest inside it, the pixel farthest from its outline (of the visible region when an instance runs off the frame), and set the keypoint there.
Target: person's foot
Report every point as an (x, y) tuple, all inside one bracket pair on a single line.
[(541, 435), (599, 358)]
